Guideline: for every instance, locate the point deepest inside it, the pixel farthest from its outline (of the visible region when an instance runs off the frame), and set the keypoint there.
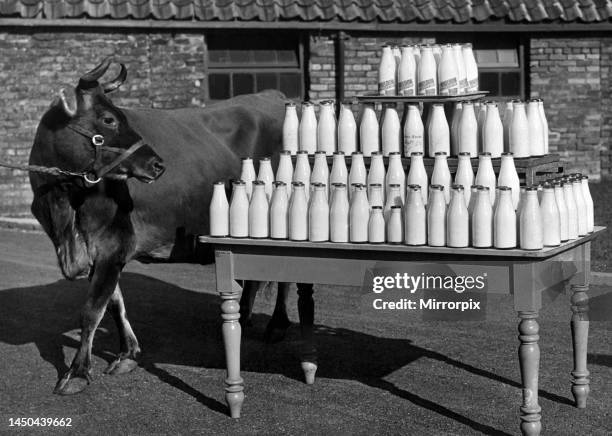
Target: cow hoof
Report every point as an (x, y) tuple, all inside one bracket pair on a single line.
[(273, 334), (121, 366), (71, 384)]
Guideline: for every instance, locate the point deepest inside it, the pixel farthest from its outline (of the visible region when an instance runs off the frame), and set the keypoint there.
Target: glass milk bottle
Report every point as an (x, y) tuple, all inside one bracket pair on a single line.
[(376, 226), (339, 172), (284, 172), (339, 214), (482, 220), (481, 118), (326, 129), (536, 134), (290, 128), (301, 173), (588, 200), (318, 214), (474, 195), (298, 213), (218, 211), (454, 129), (507, 123), (551, 226), (414, 131), (563, 212), (279, 212), (266, 175), (572, 209), (376, 195), (307, 130), (259, 212), (448, 76), (417, 175), (320, 171), (394, 198), (457, 220), (359, 215), (509, 177), (519, 131), (436, 217), (580, 205), (427, 73), (465, 175), (438, 132), (415, 217), (239, 211), (416, 50), (395, 226), (376, 173), (347, 130), (461, 74), (544, 124), (493, 132), (368, 130), (531, 221), (357, 175), (441, 174), (437, 52), (471, 69), (248, 175), (504, 220), (395, 174), (386, 72), (485, 175), (467, 130), (407, 73), (518, 213), (391, 131)]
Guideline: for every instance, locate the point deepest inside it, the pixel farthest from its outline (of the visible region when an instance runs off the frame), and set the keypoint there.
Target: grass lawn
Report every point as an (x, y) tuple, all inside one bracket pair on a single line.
[(601, 253)]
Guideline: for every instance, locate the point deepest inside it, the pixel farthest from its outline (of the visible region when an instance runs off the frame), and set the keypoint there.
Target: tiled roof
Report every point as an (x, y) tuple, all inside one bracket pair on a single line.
[(383, 11)]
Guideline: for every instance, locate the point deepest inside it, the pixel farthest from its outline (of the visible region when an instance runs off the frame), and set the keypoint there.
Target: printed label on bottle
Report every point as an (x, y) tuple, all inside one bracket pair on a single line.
[(463, 84), (449, 86), (473, 85), (386, 86), (427, 87), (406, 87)]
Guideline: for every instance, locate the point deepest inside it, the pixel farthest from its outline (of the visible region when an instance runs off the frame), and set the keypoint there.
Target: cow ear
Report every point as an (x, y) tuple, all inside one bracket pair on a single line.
[(62, 100)]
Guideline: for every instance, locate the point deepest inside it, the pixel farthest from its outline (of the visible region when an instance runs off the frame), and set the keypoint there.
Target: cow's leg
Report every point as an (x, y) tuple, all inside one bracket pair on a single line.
[(278, 325), (103, 283), (129, 350), (308, 352), (249, 292)]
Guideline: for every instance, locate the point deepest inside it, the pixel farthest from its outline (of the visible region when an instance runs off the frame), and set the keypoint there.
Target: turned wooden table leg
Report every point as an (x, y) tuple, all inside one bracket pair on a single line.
[(308, 353), (529, 358), (580, 336), (230, 313)]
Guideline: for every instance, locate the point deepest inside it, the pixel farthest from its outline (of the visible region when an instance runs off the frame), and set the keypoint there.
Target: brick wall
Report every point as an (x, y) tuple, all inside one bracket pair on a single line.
[(164, 70)]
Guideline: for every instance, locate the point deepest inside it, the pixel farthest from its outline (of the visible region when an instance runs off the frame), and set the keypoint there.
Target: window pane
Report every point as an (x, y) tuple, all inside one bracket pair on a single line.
[(240, 56), (219, 86), (266, 81), (218, 56), (489, 82), (243, 83), (290, 85), (511, 84), (507, 58), (265, 56), (289, 57), (486, 58)]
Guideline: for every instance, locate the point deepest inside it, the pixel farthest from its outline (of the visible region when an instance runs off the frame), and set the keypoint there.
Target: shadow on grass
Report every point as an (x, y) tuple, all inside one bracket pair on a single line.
[(180, 327)]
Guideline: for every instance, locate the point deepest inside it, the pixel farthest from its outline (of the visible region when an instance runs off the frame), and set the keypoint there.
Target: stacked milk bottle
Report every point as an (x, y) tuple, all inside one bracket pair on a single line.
[(379, 205)]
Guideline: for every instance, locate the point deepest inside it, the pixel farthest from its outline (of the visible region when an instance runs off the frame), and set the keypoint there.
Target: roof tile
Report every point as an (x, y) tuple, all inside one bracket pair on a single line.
[(402, 11)]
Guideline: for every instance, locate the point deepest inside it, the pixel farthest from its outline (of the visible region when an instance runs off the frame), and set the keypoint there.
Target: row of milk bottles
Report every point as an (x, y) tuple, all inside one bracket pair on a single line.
[(449, 69), (475, 127), (381, 205)]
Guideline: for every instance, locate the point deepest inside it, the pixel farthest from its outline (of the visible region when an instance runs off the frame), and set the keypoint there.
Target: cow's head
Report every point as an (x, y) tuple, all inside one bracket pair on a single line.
[(67, 136)]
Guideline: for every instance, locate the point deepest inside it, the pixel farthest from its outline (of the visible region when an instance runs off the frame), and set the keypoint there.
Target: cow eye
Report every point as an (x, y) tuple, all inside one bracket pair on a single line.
[(109, 121)]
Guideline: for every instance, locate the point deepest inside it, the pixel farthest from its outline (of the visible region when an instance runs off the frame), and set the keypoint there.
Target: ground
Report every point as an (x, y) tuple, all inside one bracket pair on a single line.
[(377, 375)]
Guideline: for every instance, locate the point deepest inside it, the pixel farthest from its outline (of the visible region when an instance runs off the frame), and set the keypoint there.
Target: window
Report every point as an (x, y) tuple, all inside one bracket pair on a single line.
[(500, 60), (242, 63)]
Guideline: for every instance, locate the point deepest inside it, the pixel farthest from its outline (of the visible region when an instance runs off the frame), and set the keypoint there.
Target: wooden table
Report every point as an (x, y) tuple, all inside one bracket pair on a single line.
[(524, 274)]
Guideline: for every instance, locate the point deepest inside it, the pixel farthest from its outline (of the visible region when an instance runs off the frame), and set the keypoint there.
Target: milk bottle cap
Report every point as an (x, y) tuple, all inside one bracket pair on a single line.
[(339, 153), (264, 159), (585, 177), (357, 153), (414, 187), (290, 104), (302, 152), (440, 153), (395, 206), (436, 187), (220, 182), (503, 188), (285, 152), (464, 153), (376, 153), (238, 182), (394, 153), (416, 153), (531, 188), (484, 153), (359, 185), (507, 153), (307, 103), (259, 182), (457, 187), (482, 188), (376, 184), (297, 184), (339, 185), (379, 207), (278, 183)]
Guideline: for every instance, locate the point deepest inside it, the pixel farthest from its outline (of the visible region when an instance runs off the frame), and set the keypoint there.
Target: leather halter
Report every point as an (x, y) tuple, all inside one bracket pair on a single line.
[(97, 141)]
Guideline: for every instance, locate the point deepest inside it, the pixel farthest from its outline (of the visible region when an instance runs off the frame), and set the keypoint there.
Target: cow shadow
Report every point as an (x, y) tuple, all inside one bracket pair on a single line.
[(181, 327)]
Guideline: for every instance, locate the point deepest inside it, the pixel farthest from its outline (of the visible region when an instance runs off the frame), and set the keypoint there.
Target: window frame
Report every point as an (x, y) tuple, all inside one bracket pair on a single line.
[(237, 68)]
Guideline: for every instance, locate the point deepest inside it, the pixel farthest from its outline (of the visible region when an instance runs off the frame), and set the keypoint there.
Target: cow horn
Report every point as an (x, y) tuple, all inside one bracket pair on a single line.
[(62, 96), (90, 78), (117, 81)]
